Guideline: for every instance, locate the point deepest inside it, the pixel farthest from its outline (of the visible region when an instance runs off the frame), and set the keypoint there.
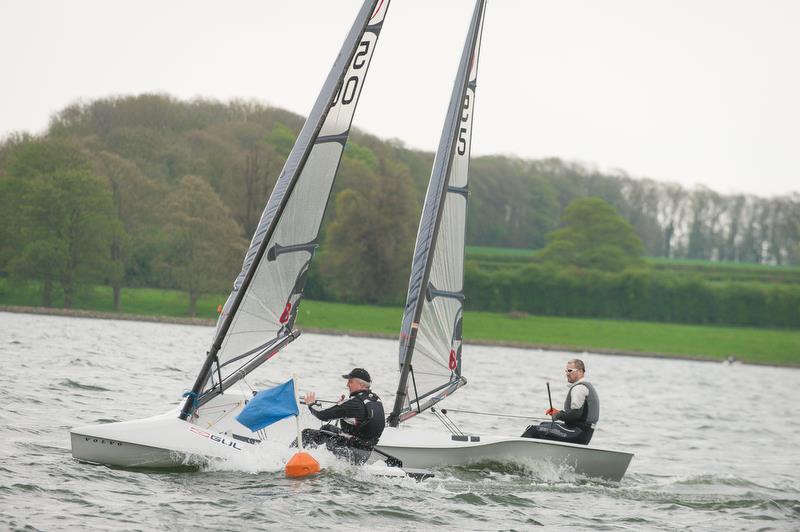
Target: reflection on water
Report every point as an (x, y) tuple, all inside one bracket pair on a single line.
[(715, 444)]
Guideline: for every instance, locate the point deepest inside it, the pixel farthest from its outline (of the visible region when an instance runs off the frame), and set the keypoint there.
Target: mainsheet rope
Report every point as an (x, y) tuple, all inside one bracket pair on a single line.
[(496, 414)]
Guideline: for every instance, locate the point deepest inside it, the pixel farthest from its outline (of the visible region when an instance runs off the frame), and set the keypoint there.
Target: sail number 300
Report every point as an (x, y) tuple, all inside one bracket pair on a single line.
[(349, 89)]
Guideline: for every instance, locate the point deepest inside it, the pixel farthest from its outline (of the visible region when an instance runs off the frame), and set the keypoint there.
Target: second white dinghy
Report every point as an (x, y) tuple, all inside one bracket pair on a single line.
[(431, 333), (427, 449)]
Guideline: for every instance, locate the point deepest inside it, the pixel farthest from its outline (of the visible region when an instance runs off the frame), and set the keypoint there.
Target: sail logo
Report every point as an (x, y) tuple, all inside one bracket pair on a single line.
[(214, 437), (102, 440), (285, 316), (377, 10)]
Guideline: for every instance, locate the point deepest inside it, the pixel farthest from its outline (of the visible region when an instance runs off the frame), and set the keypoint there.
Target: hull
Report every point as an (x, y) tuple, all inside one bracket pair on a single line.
[(164, 441), (167, 442), (99, 450), (422, 449)]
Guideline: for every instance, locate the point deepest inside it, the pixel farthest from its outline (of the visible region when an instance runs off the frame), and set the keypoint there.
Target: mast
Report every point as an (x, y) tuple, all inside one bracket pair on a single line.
[(258, 317), (450, 164)]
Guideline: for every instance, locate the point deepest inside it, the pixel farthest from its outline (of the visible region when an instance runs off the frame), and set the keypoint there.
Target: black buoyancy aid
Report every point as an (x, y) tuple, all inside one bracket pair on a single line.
[(591, 407), (372, 427)]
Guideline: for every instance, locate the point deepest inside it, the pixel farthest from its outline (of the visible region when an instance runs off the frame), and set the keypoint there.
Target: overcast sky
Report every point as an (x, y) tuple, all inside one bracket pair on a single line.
[(691, 91)]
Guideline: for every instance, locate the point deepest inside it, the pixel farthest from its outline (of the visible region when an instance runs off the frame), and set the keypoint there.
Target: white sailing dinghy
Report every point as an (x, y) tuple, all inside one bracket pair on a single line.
[(432, 323), (257, 319)]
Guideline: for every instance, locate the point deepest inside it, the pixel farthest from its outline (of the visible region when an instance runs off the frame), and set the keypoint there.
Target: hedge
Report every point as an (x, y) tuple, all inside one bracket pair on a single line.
[(647, 295)]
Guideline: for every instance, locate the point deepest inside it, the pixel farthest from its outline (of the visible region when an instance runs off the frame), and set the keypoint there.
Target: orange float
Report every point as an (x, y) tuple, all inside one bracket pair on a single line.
[(301, 465)]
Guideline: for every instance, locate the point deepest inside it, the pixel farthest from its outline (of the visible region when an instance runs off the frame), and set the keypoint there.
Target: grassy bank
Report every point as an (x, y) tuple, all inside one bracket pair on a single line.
[(765, 346), (140, 301)]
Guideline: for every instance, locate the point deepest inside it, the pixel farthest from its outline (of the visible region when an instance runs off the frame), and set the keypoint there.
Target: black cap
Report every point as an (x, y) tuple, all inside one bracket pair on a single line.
[(358, 373)]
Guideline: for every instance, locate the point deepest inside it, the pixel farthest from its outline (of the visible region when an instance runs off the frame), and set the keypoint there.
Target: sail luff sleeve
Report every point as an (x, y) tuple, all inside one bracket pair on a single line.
[(453, 143), (309, 169)]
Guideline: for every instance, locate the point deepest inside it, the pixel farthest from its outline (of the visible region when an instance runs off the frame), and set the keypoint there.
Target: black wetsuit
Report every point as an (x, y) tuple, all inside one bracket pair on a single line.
[(577, 425), (362, 421)]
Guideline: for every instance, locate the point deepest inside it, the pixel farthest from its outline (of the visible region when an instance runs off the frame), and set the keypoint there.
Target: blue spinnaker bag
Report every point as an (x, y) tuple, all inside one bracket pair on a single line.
[(269, 406)]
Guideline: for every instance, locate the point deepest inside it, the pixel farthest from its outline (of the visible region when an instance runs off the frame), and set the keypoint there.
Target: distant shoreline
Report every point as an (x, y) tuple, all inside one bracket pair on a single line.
[(77, 313)]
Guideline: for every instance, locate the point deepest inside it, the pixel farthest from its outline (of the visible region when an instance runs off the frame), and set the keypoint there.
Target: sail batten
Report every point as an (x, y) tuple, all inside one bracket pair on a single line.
[(263, 304), (432, 320)]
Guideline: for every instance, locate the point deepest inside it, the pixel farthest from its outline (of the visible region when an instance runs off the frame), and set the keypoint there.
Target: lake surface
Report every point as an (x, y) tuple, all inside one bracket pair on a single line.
[(716, 445)]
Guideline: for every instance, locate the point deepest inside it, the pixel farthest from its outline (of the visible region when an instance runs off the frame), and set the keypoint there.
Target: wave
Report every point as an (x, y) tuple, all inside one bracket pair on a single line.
[(69, 383)]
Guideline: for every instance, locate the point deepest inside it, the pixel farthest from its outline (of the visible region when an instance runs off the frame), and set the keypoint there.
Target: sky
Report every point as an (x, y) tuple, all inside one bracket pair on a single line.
[(697, 92)]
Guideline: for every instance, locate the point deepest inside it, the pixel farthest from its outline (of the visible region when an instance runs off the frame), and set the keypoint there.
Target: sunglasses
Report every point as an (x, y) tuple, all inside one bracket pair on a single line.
[(570, 370)]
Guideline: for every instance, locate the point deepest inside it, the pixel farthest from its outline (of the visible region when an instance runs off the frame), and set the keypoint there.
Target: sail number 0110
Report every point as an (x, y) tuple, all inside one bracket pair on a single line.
[(349, 89)]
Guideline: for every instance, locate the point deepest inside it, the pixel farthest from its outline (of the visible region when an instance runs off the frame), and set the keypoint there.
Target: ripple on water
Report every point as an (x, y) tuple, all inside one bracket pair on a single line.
[(83, 363), (167, 369), (396, 512), (27, 487), (469, 498), (511, 500), (69, 383)]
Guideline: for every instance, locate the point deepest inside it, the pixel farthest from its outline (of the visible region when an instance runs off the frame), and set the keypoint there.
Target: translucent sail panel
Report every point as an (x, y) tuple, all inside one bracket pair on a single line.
[(270, 302), (437, 352), (263, 303)]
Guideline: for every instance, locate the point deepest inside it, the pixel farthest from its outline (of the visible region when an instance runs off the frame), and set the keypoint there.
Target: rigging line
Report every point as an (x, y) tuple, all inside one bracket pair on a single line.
[(445, 386), (439, 417), (224, 413), (240, 369), (416, 393), (252, 391), (212, 409), (433, 373), (261, 348), (219, 372), (447, 422), (453, 423), (492, 414)]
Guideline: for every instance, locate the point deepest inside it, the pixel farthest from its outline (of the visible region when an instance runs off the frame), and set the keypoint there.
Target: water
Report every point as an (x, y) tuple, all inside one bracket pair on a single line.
[(715, 444)]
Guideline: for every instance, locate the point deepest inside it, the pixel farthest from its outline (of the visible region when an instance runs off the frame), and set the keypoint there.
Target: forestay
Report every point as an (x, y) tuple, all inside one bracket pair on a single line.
[(258, 316), (430, 337)]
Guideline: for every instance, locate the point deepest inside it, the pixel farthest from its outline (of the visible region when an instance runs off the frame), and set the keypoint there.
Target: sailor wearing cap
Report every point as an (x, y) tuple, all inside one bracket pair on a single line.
[(361, 417)]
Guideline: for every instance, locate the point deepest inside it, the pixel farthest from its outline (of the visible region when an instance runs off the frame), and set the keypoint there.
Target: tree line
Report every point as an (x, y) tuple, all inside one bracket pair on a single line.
[(151, 191), (516, 203)]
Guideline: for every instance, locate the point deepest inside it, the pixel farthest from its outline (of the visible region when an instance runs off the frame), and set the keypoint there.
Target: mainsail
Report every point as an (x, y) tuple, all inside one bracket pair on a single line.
[(258, 317), (432, 322)]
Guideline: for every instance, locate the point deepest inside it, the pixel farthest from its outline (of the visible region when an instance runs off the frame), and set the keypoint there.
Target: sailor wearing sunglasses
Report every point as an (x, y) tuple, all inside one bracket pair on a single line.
[(576, 422)]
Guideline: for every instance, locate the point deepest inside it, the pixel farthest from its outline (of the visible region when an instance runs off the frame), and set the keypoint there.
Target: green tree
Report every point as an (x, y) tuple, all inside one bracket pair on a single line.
[(9, 223), (510, 205), (67, 223), (594, 237), (244, 167), (282, 138), (369, 243), (205, 244), (137, 202), (363, 154), (58, 218)]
